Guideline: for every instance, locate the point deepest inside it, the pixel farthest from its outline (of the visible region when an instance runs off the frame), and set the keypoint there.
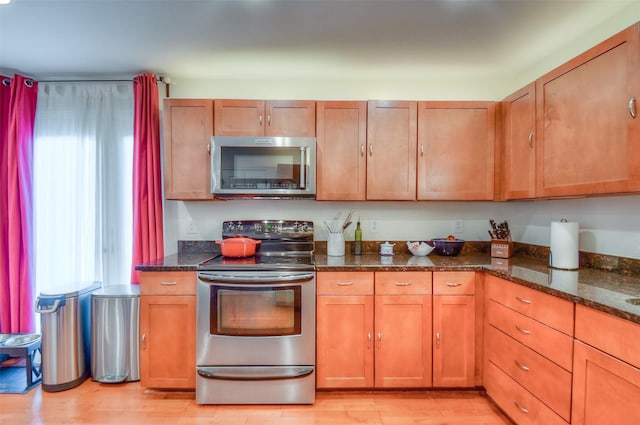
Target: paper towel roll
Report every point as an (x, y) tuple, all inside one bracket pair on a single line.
[(564, 245)]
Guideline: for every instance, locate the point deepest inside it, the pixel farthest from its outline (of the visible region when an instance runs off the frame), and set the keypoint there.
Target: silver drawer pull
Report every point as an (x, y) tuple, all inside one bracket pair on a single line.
[(523, 300), (522, 409), (369, 341), (454, 284), (344, 283), (167, 283), (402, 283), (523, 367), (524, 331)]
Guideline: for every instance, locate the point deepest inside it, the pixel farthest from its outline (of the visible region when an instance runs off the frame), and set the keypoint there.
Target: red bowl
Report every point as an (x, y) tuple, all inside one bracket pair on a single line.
[(238, 247)]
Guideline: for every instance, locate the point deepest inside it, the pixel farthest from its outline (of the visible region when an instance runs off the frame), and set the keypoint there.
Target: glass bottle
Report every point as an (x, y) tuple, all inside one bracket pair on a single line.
[(357, 246)]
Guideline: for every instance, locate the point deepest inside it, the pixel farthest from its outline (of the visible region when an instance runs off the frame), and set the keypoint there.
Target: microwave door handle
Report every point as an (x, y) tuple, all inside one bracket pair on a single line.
[(303, 167)]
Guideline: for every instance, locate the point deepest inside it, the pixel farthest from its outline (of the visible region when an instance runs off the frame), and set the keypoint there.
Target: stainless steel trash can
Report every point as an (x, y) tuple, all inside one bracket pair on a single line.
[(65, 325), (115, 320)]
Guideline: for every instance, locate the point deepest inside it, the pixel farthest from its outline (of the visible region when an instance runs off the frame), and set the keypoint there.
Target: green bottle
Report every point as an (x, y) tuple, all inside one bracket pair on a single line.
[(357, 246)]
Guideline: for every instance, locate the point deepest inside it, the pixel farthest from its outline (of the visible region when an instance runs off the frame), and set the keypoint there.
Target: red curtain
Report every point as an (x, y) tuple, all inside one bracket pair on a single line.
[(148, 243), (18, 98)]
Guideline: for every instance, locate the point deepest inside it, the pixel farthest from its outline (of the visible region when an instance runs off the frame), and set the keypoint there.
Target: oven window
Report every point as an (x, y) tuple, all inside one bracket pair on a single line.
[(256, 311), (260, 167)]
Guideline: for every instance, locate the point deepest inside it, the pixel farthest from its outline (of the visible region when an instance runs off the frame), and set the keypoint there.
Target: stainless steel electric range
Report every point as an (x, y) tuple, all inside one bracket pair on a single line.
[(255, 340)]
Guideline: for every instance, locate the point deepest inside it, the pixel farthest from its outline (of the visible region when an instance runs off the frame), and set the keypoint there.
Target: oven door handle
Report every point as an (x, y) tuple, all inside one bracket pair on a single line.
[(259, 278), (254, 373)]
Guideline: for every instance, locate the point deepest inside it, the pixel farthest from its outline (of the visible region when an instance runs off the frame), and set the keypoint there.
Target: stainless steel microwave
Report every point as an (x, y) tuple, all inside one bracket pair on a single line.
[(263, 167)]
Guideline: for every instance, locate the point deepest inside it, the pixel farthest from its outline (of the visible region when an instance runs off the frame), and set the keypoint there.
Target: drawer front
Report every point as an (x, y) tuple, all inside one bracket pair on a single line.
[(550, 310), (517, 402), (454, 283), (167, 283), (546, 380), (613, 335), (344, 283), (403, 283), (549, 342)]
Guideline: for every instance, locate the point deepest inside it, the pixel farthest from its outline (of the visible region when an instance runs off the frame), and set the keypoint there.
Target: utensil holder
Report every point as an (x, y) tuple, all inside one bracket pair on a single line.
[(335, 245), (501, 248)]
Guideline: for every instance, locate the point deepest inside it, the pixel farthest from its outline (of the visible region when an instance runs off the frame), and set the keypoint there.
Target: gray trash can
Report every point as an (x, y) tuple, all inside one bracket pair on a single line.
[(65, 325), (115, 319)]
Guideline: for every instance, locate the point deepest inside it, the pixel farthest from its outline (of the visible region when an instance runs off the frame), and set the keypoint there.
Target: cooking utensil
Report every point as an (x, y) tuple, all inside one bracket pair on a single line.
[(238, 247)]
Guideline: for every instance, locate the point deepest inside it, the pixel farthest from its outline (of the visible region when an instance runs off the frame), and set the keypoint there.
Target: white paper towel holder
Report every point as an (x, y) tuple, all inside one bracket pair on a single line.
[(563, 220)]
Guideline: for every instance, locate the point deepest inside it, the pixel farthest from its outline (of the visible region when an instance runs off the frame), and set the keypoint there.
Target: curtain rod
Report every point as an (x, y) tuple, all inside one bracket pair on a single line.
[(160, 80)]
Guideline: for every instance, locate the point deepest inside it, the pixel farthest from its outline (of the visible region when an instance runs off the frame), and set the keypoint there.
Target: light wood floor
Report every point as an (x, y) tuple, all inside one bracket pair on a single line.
[(94, 403)]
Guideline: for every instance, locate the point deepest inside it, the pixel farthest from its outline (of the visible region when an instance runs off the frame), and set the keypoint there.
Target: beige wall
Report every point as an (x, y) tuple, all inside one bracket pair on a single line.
[(609, 225)]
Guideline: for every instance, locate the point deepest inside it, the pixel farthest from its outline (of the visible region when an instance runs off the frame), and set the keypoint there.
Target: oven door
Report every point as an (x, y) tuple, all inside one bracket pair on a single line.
[(263, 167), (252, 318)]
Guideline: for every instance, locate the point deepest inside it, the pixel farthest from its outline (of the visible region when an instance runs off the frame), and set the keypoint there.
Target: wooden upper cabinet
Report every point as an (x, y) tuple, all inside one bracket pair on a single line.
[(587, 136), (456, 150), (519, 143), (391, 152), (265, 118), (187, 131), (341, 150)]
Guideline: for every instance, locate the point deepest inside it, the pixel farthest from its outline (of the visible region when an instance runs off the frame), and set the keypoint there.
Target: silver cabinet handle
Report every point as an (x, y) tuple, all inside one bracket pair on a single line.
[(269, 120), (402, 283), (208, 148), (523, 367), (260, 119), (437, 339), (369, 341), (167, 283), (632, 107), (370, 150), (524, 331), (523, 300), (522, 409), (361, 150), (144, 340), (344, 283), (421, 150), (531, 139), (379, 340), (454, 284)]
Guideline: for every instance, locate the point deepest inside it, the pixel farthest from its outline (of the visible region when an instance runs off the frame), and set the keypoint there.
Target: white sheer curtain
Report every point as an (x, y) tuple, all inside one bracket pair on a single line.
[(83, 153)]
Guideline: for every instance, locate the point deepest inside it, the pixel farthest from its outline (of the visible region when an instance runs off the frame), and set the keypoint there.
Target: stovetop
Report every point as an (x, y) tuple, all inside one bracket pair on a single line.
[(286, 245)]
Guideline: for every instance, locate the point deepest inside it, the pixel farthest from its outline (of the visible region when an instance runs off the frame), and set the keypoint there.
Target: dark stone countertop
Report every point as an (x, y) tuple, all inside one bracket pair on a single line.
[(602, 290)]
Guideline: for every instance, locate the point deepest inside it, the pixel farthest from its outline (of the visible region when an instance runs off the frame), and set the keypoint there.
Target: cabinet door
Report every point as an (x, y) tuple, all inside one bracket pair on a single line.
[(519, 155), (587, 137), (168, 341), (239, 117), (187, 128), (290, 118), (391, 137), (344, 341), (453, 340), (341, 151), (456, 150), (605, 389)]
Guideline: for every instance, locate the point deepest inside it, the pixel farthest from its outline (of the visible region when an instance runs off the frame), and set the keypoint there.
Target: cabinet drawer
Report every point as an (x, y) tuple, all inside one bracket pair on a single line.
[(344, 283), (547, 341), (392, 283), (543, 378), (614, 335), (168, 283), (517, 402), (454, 283), (550, 310)]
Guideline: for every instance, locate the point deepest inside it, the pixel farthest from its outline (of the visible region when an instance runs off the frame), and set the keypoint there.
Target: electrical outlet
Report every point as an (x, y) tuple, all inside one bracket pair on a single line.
[(191, 229), (373, 226), (457, 226)]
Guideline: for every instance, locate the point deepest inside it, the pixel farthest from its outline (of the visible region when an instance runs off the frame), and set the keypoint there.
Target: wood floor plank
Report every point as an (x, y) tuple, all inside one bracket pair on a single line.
[(93, 403)]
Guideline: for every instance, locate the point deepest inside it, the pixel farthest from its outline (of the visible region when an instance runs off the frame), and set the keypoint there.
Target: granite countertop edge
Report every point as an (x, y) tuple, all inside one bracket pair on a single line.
[(601, 290)]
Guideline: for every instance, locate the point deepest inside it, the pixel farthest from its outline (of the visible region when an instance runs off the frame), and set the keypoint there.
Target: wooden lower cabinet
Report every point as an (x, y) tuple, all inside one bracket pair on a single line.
[(167, 330), (605, 390), (357, 351)]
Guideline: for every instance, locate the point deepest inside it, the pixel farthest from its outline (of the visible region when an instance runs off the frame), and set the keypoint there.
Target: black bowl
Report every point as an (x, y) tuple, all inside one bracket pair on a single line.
[(447, 247)]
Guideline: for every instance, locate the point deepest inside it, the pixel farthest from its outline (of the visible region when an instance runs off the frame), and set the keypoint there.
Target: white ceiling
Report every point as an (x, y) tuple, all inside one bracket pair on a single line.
[(289, 38)]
